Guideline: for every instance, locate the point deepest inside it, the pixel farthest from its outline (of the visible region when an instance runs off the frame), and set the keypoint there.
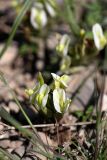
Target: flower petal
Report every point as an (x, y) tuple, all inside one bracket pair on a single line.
[(50, 10), (56, 100), (44, 101)]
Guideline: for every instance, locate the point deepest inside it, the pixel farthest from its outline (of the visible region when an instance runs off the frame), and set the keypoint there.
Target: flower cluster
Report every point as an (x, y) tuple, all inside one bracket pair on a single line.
[(52, 98)]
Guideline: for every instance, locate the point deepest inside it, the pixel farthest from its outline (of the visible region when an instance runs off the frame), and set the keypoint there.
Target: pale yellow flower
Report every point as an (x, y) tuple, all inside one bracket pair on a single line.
[(99, 38), (38, 16), (61, 103)]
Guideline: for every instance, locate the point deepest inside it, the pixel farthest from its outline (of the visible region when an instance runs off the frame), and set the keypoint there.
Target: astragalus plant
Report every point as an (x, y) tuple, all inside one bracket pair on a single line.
[(50, 100)]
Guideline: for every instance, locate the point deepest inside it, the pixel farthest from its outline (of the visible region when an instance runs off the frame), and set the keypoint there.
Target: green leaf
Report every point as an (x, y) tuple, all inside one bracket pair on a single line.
[(40, 79)]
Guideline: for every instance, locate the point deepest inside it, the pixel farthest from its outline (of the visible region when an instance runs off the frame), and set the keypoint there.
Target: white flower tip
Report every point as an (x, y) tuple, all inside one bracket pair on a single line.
[(55, 76), (56, 101)]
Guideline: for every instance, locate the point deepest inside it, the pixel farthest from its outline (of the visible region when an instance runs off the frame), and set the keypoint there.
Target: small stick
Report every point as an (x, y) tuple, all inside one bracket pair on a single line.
[(53, 125), (57, 128)]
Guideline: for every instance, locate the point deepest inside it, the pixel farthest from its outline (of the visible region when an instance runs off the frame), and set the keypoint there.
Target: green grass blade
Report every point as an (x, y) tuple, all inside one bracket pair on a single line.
[(17, 22), (27, 133), (21, 108), (6, 154), (25, 115), (5, 115), (17, 102), (70, 18)]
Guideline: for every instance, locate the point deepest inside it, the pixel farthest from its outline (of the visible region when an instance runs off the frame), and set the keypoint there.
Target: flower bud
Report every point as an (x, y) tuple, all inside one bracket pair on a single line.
[(62, 47), (65, 63), (42, 96), (29, 92), (82, 32)]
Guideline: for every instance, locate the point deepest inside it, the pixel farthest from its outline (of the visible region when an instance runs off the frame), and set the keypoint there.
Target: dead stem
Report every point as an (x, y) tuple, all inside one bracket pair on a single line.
[(52, 125), (98, 121)]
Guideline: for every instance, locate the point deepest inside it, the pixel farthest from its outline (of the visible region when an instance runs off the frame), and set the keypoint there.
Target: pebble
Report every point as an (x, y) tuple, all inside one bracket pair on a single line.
[(13, 107)]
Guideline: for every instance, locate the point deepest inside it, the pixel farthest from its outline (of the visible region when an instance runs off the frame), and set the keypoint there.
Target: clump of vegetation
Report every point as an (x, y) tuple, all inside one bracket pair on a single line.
[(50, 99), (81, 44)]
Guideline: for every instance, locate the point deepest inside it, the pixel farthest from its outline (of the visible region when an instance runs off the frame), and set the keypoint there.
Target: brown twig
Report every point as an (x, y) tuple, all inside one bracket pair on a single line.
[(53, 125)]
